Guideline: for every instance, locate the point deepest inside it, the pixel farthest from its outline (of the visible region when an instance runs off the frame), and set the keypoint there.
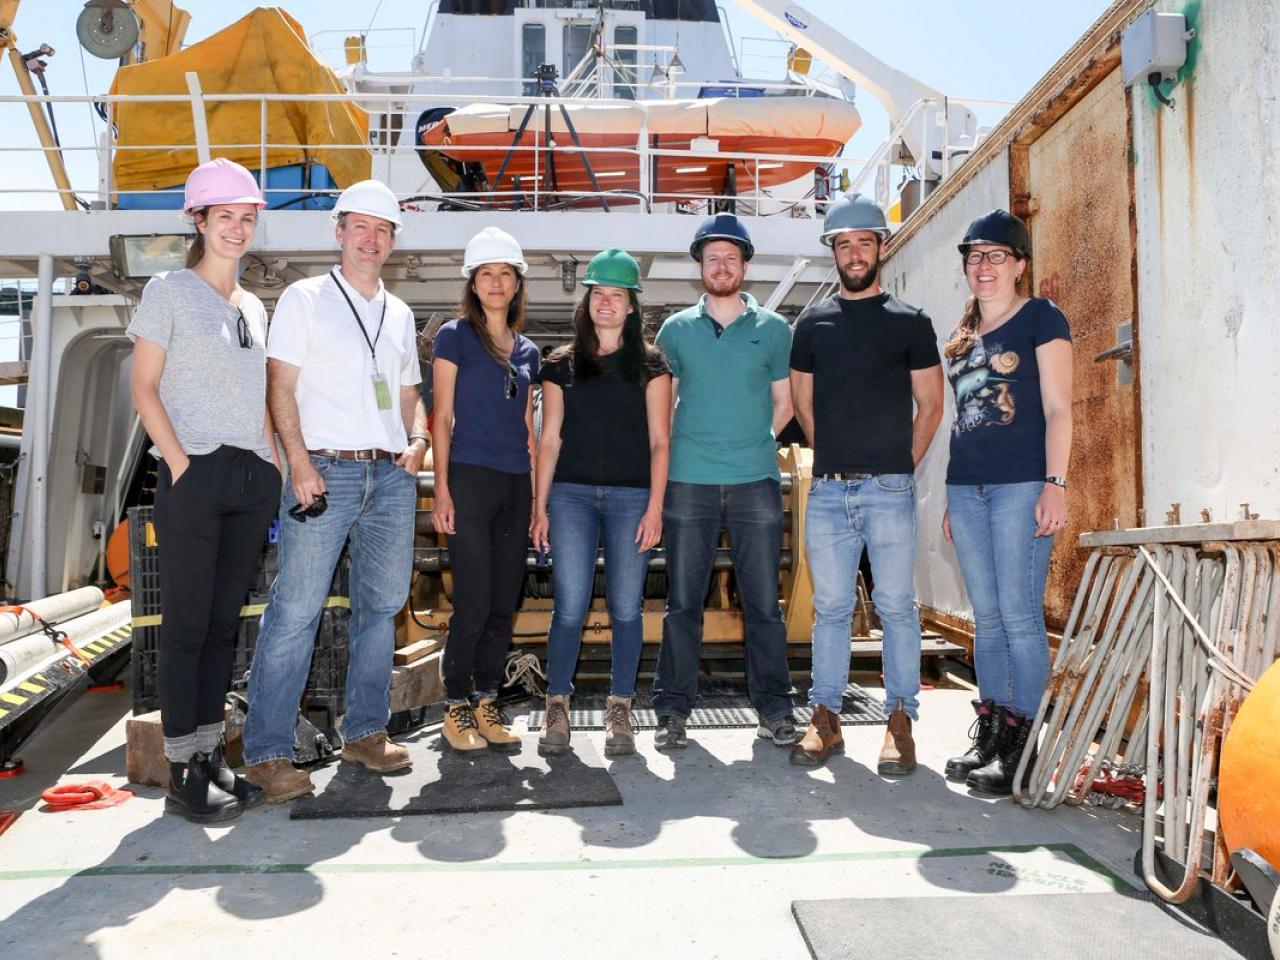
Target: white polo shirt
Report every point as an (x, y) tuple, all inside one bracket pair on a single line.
[(314, 329)]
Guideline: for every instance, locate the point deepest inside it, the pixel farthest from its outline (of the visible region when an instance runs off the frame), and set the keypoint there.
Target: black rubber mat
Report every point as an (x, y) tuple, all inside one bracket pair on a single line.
[(715, 711), (1033, 926), (442, 781)]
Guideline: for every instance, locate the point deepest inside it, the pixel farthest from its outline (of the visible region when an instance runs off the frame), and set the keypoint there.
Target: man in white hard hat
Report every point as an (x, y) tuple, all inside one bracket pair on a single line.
[(342, 384)]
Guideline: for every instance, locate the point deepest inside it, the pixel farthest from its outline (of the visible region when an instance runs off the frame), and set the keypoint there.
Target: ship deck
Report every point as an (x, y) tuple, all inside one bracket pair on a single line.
[(704, 859)]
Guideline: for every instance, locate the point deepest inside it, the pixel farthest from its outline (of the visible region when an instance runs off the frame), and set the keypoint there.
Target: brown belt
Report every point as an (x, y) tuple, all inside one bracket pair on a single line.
[(354, 454)]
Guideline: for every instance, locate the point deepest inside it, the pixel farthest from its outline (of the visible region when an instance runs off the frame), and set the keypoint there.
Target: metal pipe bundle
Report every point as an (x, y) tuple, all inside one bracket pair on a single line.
[(22, 655), (62, 606)]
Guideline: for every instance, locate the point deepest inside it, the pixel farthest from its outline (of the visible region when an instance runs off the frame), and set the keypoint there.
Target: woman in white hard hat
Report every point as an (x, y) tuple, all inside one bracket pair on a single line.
[(1009, 361), (482, 440), (199, 385), (602, 476)]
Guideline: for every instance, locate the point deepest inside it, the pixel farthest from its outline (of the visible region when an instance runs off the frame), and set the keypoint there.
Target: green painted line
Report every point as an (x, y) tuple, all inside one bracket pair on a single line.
[(548, 866)]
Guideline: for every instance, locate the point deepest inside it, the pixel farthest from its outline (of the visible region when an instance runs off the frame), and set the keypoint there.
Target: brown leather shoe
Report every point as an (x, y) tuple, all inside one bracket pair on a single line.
[(898, 755), (459, 731), (375, 752), (556, 735), (280, 780), (820, 740), (491, 724)]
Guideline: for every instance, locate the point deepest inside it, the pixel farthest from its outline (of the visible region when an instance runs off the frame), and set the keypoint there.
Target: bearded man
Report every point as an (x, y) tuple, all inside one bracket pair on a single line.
[(859, 359)]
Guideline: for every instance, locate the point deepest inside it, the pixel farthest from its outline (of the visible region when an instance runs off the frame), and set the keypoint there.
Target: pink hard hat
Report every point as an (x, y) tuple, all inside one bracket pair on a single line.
[(220, 181)]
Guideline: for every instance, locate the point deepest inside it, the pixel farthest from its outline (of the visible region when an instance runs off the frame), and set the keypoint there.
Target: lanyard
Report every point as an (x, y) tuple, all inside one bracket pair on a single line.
[(373, 344)]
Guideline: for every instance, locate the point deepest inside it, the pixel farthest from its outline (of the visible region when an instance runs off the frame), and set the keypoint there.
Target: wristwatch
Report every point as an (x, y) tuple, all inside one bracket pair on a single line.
[(420, 436), (1057, 481)]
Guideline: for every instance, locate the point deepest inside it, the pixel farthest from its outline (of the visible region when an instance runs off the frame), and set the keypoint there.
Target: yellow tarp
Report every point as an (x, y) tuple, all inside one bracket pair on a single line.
[(265, 52)]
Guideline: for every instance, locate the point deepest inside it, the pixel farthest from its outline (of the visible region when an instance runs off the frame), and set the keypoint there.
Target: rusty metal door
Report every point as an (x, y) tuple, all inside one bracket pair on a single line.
[(1072, 177)]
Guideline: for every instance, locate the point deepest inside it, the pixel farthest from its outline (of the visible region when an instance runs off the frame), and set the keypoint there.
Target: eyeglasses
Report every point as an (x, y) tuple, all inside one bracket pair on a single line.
[(511, 386), (318, 506), (243, 331), (995, 257)]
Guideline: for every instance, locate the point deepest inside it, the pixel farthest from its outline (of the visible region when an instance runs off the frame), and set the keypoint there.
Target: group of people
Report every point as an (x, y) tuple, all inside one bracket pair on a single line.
[(322, 421)]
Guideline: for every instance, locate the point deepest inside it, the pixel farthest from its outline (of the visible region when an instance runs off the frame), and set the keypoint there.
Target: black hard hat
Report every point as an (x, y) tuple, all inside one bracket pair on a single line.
[(723, 226), (998, 226)]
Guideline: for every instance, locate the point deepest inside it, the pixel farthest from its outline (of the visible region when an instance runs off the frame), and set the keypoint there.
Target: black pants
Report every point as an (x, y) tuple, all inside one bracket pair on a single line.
[(211, 526), (491, 515)]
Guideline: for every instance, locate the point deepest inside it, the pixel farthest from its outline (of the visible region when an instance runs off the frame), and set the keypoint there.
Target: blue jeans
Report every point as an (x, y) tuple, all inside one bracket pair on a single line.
[(843, 516), (692, 519), (1005, 566), (372, 503), (580, 516)]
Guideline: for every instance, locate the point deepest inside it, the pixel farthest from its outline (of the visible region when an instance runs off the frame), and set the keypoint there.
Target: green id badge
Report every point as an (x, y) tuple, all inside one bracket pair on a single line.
[(381, 391)]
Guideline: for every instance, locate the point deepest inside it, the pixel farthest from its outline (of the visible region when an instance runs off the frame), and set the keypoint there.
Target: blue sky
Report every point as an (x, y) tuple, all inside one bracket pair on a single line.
[(992, 51)]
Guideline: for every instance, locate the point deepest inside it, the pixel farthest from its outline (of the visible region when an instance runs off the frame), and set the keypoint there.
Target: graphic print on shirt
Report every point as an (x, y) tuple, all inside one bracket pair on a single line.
[(982, 384)]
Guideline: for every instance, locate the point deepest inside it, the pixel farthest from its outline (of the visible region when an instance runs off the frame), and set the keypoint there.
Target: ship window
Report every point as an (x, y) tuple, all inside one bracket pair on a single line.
[(577, 41), (533, 47), (625, 76)]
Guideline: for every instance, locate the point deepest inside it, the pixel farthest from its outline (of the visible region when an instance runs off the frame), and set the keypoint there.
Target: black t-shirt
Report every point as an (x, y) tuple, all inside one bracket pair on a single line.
[(604, 440), (998, 435), (861, 354)]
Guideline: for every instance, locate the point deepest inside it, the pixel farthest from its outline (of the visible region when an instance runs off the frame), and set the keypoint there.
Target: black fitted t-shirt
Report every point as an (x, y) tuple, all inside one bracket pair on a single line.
[(861, 354), (604, 440), (998, 434)]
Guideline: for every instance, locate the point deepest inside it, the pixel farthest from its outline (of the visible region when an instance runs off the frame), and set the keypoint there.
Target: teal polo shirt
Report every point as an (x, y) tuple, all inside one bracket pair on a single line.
[(723, 430)]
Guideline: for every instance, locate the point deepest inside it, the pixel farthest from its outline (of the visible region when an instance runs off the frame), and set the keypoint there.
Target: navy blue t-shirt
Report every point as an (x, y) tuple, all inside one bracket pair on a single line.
[(998, 434), (488, 427)]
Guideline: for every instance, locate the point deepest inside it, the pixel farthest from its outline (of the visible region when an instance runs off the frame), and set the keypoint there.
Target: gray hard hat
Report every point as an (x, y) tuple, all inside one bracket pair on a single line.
[(853, 211)]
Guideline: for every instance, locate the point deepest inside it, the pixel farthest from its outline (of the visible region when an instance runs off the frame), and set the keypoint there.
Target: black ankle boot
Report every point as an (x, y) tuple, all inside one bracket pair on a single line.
[(985, 733), (250, 795), (193, 794), (997, 776)]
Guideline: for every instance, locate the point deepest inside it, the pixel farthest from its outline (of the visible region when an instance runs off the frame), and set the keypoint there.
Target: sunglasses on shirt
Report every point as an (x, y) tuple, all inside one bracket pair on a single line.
[(243, 331), (511, 386)]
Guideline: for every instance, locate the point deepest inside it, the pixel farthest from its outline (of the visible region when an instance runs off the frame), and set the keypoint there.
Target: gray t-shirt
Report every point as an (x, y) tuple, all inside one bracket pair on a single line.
[(213, 389)]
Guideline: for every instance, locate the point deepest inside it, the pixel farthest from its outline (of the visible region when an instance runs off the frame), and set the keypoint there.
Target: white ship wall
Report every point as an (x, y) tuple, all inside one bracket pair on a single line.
[(1206, 183), (926, 273)]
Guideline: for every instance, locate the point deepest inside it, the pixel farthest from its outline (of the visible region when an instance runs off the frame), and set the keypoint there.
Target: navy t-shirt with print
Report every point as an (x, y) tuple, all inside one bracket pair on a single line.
[(999, 430), (488, 427)]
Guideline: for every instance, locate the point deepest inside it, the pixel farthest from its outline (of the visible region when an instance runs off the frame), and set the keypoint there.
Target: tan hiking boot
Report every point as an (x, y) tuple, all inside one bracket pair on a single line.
[(822, 738), (375, 752), (555, 728), (898, 755), (460, 730), (492, 724), (280, 780), (619, 734)]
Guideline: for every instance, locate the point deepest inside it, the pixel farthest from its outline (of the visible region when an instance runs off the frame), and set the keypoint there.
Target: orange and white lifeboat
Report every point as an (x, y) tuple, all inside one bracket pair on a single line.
[(776, 127)]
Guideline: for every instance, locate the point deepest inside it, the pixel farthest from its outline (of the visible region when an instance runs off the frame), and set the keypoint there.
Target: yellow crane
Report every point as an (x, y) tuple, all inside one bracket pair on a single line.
[(131, 30)]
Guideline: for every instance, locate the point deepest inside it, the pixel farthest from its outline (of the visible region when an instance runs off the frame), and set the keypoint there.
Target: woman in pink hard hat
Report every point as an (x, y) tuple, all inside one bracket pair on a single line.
[(199, 385)]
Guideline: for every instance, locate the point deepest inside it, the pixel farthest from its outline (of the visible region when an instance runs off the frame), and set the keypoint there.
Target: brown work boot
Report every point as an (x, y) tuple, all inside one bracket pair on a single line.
[(492, 724), (820, 740), (898, 755), (555, 728), (460, 730), (619, 734), (375, 752), (280, 780)]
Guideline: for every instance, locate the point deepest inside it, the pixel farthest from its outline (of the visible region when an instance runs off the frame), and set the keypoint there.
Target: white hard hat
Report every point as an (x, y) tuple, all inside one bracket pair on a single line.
[(371, 197), (492, 245)]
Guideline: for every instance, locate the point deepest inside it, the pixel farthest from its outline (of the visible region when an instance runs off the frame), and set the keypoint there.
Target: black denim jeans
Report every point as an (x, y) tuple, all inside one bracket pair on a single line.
[(692, 518), (491, 515), (211, 526)]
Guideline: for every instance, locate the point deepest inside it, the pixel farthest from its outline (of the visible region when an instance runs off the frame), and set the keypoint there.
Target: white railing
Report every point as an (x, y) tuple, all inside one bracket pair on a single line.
[(388, 145)]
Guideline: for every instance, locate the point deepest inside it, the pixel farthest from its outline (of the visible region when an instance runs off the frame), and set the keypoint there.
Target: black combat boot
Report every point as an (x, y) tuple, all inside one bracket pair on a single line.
[(193, 794), (249, 794), (997, 776), (985, 733)]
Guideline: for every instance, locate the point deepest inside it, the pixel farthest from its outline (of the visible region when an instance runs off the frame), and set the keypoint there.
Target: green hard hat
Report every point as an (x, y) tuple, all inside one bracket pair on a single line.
[(613, 268)]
